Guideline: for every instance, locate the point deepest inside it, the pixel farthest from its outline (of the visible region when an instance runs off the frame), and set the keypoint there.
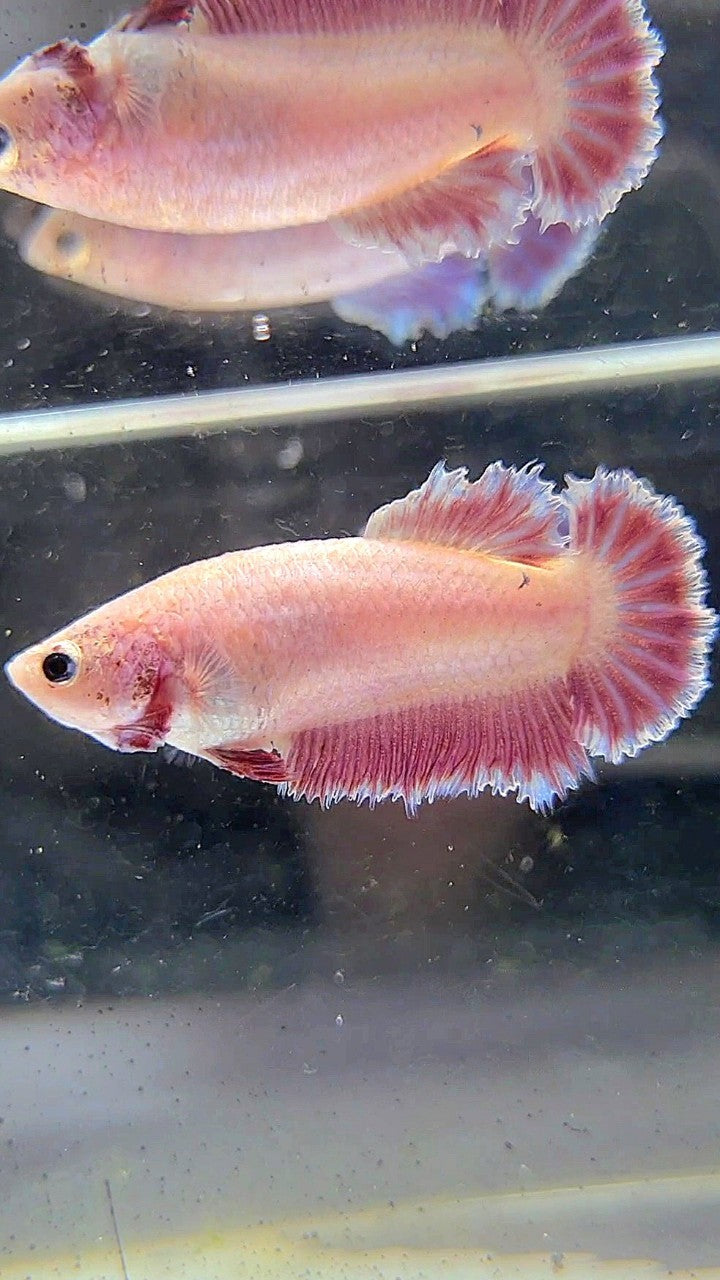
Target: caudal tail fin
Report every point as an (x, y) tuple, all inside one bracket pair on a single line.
[(603, 134), (645, 663)]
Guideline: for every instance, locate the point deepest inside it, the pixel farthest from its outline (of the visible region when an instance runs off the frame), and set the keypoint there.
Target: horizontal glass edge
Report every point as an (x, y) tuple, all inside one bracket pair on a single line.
[(593, 370)]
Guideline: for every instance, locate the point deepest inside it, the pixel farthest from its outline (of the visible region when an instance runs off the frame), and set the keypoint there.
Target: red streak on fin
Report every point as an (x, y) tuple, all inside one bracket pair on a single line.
[(261, 766), (606, 53), (463, 210), (633, 687), (71, 58), (523, 744), (149, 731), (507, 513)]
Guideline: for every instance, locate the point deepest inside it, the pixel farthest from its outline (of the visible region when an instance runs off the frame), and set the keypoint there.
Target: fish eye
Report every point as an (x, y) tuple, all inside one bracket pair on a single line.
[(60, 667), (8, 149), (69, 244)]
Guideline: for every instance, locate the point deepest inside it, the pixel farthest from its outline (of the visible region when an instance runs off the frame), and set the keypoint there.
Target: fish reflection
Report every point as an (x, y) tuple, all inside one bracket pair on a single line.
[(302, 265)]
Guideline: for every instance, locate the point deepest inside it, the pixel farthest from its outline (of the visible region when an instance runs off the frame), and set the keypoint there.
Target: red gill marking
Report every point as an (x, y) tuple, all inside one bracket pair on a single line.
[(70, 57), (149, 731)]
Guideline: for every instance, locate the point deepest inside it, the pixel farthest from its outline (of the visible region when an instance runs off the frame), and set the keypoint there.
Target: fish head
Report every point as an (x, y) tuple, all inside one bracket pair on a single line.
[(107, 675), (58, 244), (51, 116)]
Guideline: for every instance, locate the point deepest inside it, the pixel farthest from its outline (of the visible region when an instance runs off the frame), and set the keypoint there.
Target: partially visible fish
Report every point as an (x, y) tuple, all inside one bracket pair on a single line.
[(253, 269), (261, 270), (495, 634), (411, 125)]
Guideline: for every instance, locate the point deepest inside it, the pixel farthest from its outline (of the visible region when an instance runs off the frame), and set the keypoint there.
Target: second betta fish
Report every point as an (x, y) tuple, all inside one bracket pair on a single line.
[(431, 128)]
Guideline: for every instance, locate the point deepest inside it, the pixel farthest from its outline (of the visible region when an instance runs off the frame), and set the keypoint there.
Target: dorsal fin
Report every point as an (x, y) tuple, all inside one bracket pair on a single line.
[(243, 17), (157, 13), (507, 513)]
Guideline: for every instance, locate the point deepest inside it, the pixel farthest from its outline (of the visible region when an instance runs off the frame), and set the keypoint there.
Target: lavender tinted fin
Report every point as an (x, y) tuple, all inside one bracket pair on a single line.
[(438, 298), (529, 274)]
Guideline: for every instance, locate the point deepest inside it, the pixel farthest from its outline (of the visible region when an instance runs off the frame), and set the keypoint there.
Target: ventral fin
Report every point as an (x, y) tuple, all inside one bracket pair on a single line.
[(463, 210), (438, 298), (507, 513), (528, 274), (248, 762)]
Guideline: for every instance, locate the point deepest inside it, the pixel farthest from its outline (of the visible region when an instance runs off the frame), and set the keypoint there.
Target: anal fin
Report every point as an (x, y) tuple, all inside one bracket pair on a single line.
[(529, 273), (437, 298), (522, 743), (464, 210)]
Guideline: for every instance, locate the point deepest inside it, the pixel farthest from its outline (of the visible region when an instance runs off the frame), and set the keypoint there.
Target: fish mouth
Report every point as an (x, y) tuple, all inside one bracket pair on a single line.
[(11, 671)]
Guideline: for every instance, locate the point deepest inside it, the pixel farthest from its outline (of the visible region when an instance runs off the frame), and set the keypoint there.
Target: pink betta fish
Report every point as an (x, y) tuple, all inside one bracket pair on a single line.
[(495, 634), (428, 126)]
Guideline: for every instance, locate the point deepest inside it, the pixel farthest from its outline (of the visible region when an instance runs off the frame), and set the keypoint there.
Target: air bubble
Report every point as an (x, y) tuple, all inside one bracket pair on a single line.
[(290, 455), (74, 487), (261, 328)]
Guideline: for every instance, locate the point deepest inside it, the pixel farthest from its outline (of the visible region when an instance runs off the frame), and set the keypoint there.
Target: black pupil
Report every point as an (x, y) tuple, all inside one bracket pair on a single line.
[(59, 667), (68, 242)]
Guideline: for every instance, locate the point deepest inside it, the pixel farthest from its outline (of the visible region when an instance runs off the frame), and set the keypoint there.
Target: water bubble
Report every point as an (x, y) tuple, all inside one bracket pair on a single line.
[(74, 486), (290, 455), (22, 344), (339, 1021), (338, 977), (261, 328)]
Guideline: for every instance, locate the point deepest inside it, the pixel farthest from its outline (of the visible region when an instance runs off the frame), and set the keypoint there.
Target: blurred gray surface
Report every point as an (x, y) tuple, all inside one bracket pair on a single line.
[(218, 1112)]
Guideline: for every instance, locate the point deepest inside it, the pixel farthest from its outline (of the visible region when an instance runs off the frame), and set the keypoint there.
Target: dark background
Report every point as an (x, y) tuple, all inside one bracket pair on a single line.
[(129, 875)]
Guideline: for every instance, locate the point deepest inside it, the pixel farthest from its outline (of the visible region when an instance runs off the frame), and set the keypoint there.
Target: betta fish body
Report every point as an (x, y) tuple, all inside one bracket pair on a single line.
[(429, 128), (495, 634)]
